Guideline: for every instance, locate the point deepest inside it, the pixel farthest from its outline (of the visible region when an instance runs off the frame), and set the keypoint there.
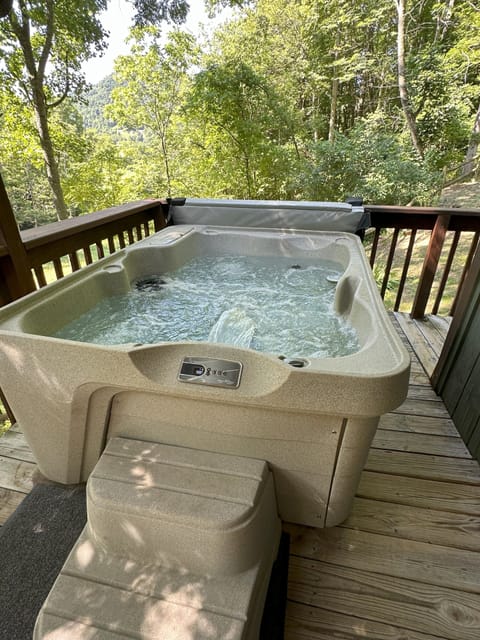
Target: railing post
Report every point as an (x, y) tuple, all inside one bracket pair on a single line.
[(15, 266), (430, 265), (159, 221)]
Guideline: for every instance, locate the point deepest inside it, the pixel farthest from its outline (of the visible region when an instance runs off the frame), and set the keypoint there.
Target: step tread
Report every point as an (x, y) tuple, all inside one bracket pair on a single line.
[(171, 454), (80, 606), (175, 484)]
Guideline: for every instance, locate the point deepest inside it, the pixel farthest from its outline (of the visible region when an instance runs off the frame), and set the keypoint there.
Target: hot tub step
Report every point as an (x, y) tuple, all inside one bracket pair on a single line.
[(103, 596), (179, 545), (192, 510)]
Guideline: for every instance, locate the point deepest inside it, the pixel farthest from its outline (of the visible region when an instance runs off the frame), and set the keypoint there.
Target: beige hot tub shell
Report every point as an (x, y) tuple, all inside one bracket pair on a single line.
[(313, 425)]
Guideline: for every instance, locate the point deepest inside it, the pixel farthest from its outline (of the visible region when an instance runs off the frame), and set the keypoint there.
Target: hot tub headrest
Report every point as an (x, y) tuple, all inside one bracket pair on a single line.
[(313, 216)]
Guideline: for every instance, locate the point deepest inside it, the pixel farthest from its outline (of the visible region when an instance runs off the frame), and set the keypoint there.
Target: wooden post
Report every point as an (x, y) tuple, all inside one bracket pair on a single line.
[(15, 268), (430, 265)]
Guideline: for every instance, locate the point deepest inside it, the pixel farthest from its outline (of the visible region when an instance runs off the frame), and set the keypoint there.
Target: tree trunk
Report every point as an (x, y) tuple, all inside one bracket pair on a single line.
[(402, 78), (334, 99), (473, 145), (35, 93), (51, 165), (333, 110)]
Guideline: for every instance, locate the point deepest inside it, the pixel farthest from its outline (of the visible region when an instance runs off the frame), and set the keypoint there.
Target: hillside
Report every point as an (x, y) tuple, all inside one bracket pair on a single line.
[(465, 196), (92, 108)]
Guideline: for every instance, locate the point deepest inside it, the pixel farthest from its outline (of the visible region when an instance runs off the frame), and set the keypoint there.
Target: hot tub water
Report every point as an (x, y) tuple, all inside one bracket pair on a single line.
[(275, 305)]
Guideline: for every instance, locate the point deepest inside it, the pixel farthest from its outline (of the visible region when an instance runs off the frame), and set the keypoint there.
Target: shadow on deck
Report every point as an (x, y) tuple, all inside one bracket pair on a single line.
[(405, 564)]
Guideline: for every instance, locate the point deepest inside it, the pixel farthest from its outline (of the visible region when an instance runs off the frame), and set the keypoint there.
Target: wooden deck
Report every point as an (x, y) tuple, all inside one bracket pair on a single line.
[(406, 563)]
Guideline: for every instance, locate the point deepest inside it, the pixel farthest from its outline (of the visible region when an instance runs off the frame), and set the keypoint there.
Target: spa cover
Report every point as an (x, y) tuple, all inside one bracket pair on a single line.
[(312, 216)]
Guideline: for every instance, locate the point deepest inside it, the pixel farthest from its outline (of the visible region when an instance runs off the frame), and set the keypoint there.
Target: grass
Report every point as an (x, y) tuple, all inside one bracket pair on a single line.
[(5, 423)]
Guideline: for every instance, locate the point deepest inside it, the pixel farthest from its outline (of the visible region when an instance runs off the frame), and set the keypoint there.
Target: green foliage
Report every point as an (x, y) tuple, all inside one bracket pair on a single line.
[(246, 124), (372, 163), (21, 163), (92, 106), (287, 100), (64, 34), (151, 82), (154, 12)]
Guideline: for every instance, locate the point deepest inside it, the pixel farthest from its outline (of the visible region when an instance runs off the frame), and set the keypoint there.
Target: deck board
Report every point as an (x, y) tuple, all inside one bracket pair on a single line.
[(306, 622), (411, 605), (415, 523), (417, 492), (420, 465), (420, 443), (13, 445), (389, 555), (9, 501), (405, 565), (418, 424)]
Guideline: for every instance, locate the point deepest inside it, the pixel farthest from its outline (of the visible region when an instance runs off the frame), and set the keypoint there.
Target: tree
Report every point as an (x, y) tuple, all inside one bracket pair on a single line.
[(45, 42), (473, 145), (21, 163), (154, 12), (243, 110), (150, 84), (402, 78)]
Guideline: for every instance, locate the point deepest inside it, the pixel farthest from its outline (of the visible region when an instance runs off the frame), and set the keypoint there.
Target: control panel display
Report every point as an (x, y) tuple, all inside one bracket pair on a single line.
[(211, 371)]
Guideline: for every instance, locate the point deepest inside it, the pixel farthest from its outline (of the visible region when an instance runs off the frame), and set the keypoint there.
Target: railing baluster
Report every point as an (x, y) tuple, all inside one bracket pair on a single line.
[(88, 254), (406, 265), (159, 219), (40, 274), (57, 265), (446, 272), (146, 230), (100, 251), (121, 240), (468, 262), (7, 408), (131, 239), (111, 244), (388, 267), (138, 230), (74, 261), (373, 252)]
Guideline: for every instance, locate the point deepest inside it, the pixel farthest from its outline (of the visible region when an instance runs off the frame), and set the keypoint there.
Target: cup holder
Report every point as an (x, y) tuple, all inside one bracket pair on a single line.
[(298, 363)]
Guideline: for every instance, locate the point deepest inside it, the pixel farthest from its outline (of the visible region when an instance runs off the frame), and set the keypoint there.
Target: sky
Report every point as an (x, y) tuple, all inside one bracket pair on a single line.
[(117, 20)]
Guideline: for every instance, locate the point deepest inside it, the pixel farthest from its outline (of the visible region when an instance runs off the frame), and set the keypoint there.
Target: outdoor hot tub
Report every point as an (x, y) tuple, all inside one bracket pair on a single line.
[(221, 380)]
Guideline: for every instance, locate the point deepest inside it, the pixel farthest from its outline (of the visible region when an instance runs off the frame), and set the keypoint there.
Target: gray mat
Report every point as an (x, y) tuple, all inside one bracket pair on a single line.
[(34, 543), (36, 540)]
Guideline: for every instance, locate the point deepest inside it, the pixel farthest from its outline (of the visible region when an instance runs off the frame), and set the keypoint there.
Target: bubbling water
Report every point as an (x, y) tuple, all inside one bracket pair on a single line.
[(274, 305)]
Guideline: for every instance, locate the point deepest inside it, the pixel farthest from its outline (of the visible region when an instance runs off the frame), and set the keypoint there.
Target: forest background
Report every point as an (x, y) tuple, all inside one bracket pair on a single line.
[(301, 99)]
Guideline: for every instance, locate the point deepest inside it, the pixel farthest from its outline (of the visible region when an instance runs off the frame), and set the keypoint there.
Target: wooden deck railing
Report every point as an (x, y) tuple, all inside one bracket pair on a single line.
[(436, 235), (55, 249)]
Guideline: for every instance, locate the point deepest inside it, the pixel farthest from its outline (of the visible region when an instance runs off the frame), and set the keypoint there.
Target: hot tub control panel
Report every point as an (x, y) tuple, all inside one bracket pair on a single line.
[(211, 371)]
